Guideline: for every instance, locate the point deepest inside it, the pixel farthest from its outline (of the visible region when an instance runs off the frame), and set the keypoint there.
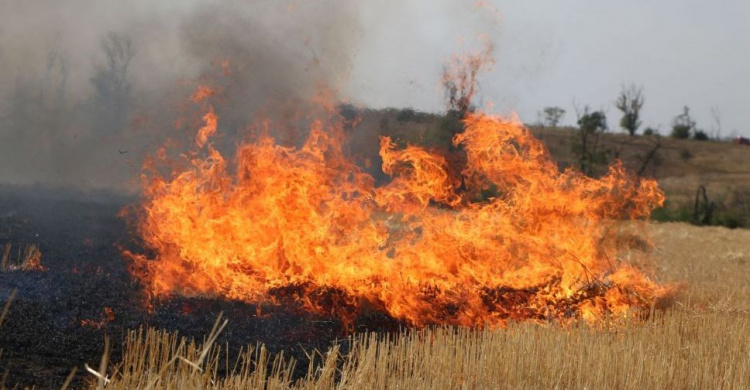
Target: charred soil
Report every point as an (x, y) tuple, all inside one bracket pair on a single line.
[(59, 317)]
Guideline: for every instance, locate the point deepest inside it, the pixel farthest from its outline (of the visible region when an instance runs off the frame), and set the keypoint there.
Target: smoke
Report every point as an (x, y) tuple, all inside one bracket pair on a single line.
[(87, 88)]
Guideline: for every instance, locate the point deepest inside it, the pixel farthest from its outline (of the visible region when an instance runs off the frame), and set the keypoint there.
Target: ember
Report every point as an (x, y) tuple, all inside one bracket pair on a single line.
[(106, 317), (30, 259)]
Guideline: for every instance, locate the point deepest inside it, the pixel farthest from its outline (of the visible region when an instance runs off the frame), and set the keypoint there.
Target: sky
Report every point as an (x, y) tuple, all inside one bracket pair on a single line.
[(548, 52), (555, 53)]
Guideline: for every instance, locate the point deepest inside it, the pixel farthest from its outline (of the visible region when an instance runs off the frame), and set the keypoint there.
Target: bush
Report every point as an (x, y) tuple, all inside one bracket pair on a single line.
[(700, 135), (670, 213), (406, 115), (732, 213), (681, 132)]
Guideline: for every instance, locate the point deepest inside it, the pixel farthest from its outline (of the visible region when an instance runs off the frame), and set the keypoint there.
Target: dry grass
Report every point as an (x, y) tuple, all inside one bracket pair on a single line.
[(681, 166), (677, 350), (27, 259), (702, 342), (6, 307)]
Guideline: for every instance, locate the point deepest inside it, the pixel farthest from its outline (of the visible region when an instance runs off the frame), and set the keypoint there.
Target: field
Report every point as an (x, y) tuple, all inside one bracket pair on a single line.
[(680, 166), (83, 295), (699, 342), (246, 195)]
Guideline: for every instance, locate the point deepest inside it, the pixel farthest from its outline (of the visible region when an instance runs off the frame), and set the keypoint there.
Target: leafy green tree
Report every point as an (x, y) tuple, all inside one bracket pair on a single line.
[(630, 102)]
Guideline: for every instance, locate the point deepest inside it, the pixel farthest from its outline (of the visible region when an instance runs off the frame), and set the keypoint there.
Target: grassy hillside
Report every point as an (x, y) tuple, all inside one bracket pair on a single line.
[(680, 166)]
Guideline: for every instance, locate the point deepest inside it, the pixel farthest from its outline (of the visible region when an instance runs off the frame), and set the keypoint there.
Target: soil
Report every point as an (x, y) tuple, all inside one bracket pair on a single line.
[(60, 316)]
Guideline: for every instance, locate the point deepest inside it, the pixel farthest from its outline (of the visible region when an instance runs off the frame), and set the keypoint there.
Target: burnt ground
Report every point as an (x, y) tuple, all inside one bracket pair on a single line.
[(58, 319)]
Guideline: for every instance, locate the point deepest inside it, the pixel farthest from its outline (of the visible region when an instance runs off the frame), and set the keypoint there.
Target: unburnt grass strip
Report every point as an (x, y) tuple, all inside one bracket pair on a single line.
[(676, 349), (700, 342)]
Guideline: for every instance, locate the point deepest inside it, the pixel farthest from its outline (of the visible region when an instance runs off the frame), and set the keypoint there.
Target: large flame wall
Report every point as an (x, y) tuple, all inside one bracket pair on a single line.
[(419, 248)]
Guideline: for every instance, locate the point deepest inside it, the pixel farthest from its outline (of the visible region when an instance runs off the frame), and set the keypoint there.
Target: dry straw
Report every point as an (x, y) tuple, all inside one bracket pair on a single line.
[(700, 343), (674, 350), (27, 259)]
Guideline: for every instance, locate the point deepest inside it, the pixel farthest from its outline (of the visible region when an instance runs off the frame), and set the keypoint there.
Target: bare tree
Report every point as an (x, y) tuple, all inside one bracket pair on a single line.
[(459, 80), (630, 102), (55, 89), (716, 127), (37, 100), (651, 158), (22, 101), (111, 85)]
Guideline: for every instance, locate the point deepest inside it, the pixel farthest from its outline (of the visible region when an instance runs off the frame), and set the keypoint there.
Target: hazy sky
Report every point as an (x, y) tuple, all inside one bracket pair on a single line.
[(550, 52), (384, 53), (390, 52)]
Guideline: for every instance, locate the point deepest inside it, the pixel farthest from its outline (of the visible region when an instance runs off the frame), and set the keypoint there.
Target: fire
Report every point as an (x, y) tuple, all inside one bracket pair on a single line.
[(30, 259), (106, 317), (306, 225)]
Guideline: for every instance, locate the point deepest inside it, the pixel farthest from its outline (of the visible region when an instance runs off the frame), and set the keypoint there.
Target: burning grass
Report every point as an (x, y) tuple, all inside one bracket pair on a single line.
[(424, 248), (541, 284), (700, 342), (27, 259)]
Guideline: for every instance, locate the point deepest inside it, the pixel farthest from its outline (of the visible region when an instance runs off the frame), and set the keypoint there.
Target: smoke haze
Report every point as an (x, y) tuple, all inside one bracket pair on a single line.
[(89, 87)]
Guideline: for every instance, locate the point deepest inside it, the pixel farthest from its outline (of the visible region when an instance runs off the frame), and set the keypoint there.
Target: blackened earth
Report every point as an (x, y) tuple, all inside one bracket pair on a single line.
[(58, 319)]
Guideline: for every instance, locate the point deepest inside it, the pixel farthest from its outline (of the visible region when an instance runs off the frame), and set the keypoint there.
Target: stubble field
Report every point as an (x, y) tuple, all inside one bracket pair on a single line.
[(701, 341)]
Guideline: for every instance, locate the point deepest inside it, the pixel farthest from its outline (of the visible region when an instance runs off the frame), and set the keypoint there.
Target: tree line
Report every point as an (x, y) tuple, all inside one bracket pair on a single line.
[(630, 104)]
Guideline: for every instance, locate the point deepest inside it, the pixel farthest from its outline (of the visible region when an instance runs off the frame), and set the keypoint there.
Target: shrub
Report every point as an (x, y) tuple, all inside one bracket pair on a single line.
[(700, 135), (406, 115)]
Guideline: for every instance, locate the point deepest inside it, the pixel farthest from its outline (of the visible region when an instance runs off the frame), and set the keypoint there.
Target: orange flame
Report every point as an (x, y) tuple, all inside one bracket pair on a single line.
[(305, 224), (107, 317)]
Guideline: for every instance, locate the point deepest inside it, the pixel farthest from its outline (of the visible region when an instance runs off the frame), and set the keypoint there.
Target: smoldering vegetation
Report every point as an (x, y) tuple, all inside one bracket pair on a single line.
[(87, 89)]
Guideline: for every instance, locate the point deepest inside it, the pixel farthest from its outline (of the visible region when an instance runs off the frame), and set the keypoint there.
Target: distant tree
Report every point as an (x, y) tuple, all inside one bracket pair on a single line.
[(650, 131), (55, 86), (630, 102), (683, 125), (651, 158), (460, 86), (716, 127), (553, 116), (591, 126), (592, 122), (406, 115), (700, 135), (112, 88), (37, 101), (23, 100)]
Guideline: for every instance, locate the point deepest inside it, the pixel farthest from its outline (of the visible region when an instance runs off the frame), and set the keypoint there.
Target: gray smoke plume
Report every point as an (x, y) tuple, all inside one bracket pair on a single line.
[(87, 88)]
